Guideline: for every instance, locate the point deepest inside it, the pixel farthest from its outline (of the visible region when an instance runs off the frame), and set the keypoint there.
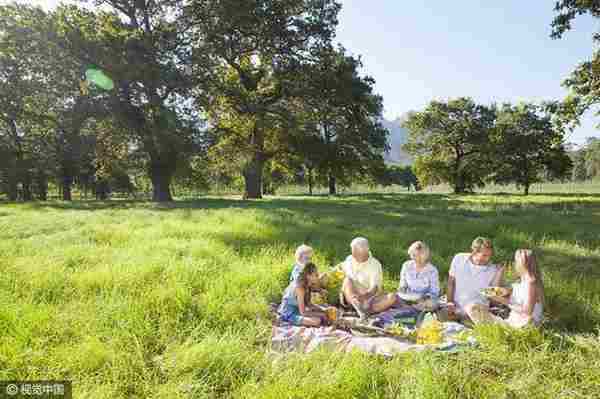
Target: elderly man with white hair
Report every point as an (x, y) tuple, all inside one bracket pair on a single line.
[(363, 285)]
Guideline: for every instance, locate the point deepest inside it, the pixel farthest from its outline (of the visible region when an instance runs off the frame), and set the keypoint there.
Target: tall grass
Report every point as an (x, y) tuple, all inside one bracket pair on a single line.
[(137, 300)]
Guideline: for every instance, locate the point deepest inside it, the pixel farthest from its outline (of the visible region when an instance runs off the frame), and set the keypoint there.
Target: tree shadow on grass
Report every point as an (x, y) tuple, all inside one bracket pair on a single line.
[(371, 202), (434, 205), (566, 195), (566, 314), (378, 213), (392, 221), (572, 293)]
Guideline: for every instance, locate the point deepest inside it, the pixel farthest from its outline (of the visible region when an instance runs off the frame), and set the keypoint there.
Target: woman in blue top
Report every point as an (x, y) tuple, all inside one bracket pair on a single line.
[(295, 305), (418, 275)]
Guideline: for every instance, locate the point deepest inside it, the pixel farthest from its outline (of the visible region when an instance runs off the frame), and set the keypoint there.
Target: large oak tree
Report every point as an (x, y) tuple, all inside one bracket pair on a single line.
[(451, 143), (255, 47), (527, 147)]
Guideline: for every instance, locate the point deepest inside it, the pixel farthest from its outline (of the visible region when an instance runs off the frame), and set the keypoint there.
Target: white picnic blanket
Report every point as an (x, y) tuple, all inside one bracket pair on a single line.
[(287, 338)]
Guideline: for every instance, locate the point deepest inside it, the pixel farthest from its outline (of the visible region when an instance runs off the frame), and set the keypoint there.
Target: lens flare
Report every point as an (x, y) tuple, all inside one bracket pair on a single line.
[(97, 77)]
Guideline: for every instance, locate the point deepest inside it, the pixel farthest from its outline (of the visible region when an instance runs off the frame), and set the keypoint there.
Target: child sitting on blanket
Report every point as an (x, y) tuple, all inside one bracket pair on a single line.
[(303, 256), (296, 307)]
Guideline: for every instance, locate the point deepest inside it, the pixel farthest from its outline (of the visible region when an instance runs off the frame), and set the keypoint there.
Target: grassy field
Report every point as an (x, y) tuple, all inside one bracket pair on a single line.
[(136, 300)]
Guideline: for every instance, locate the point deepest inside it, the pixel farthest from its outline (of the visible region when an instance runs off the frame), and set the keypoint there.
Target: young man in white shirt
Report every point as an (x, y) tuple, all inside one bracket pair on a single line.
[(363, 284), (469, 274)]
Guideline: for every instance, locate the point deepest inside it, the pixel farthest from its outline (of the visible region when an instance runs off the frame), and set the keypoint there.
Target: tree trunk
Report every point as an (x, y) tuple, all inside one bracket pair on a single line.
[(526, 175), (67, 182), (254, 170), (41, 187), (13, 188), (459, 178), (332, 187), (253, 178), (14, 172), (310, 182), (101, 190), (459, 184), (12, 182), (27, 181), (161, 185)]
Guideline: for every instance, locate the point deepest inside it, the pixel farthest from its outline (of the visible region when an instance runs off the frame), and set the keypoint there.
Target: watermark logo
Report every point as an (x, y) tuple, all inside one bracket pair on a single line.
[(35, 389)]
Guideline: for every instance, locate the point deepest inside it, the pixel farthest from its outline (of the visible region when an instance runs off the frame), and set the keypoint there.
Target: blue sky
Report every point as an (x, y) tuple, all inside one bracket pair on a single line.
[(493, 51)]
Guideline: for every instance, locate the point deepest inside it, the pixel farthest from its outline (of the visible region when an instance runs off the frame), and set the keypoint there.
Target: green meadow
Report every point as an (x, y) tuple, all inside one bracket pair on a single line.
[(141, 300)]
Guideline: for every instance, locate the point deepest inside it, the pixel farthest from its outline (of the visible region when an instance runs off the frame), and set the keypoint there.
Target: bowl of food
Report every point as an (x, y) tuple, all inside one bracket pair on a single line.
[(495, 292)]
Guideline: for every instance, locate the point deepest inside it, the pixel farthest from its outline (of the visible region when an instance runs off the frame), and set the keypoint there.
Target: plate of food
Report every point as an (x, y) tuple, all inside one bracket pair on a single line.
[(495, 291), (409, 296)]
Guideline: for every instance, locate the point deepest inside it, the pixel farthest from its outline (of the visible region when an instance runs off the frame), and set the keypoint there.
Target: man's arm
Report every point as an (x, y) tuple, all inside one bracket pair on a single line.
[(301, 299), (377, 290), (348, 290), (498, 280), (379, 281), (451, 289)]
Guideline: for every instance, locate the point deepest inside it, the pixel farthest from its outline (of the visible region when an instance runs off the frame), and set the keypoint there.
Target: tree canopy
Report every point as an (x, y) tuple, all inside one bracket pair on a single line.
[(451, 141)]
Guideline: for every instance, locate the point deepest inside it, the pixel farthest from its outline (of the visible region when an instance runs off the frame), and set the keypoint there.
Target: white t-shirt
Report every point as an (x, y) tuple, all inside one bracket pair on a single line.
[(470, 280), (366, 275)]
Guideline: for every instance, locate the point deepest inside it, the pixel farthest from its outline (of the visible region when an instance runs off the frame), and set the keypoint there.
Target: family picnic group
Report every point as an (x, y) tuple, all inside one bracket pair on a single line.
[(475, 287)]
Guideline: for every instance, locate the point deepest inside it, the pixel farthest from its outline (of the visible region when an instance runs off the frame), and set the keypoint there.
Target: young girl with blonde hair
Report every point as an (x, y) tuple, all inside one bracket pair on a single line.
[(526, 297)]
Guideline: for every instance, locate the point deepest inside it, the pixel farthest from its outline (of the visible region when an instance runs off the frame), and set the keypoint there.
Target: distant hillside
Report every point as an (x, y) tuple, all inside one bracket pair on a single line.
[(398, 137)]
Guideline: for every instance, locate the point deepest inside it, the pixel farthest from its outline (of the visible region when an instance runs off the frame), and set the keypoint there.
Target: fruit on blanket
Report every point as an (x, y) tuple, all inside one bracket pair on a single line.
[(399, 330), (332, 280), (495, 291), (317, 298), (430, 333), (334, 277)]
